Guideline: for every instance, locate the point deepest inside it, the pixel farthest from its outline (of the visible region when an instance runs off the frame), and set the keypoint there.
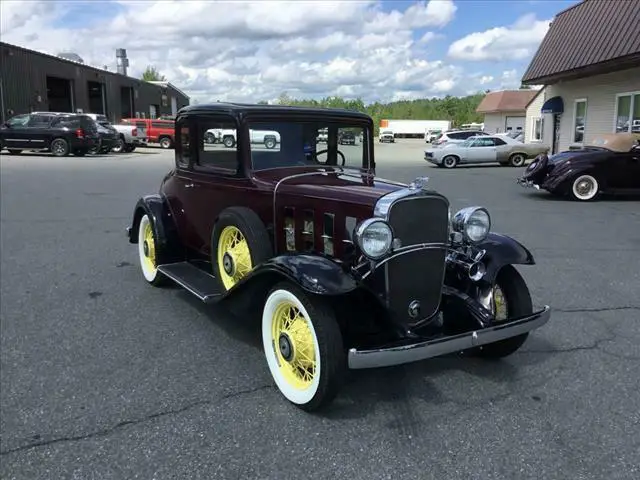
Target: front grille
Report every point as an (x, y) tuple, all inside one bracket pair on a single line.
[(417, 276)]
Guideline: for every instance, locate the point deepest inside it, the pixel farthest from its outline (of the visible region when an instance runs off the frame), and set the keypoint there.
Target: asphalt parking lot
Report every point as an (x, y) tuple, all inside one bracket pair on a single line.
[(103, 376)]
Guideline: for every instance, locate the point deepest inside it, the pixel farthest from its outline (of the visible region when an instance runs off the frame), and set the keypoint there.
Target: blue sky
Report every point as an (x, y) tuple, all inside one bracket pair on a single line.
[(259, 49)]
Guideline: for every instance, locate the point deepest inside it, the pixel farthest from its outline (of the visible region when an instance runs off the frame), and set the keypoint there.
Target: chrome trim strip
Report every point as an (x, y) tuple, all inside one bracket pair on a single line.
[(405, 250), (385, 357)]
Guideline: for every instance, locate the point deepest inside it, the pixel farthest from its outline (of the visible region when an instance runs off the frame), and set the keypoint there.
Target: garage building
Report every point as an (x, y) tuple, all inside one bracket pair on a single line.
[(33, 81), (505, 111), (592, 82)]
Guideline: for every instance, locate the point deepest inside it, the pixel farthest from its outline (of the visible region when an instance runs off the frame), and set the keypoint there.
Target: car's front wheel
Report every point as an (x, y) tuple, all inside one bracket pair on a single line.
[(584, 188), (510, 299), (303, 346), (148, 252)]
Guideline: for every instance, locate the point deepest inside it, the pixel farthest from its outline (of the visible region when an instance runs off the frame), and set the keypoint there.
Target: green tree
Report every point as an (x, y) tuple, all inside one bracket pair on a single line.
[(151, 74), (459, 110)]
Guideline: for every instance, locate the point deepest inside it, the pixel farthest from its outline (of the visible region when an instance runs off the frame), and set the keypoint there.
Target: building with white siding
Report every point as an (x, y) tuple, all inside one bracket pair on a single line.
[(592, 82)]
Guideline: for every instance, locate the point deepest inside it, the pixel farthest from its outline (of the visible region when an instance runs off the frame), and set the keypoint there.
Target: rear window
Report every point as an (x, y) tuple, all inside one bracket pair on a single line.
[(458, 136), (66, 122)]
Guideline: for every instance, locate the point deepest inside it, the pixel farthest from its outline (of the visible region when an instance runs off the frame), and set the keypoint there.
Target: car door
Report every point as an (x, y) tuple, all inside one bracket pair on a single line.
[(14, 132), (39, 130), (209, 185), (482, 150), (627, 170)]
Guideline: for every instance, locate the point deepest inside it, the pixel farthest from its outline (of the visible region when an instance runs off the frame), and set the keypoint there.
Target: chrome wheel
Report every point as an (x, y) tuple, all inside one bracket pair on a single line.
[(450, 161), (59, 147)]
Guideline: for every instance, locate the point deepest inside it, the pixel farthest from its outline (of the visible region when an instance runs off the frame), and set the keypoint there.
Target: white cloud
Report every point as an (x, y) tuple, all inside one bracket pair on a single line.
[(250, 51), (516, 42)]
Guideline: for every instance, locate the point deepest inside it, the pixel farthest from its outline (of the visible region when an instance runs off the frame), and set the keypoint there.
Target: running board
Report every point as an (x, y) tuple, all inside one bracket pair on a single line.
[(193, 279)]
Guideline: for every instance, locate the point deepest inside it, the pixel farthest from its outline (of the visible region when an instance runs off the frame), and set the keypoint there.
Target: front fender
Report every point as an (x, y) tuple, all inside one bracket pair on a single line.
[(503, 250), (314, 273), (164, 227)]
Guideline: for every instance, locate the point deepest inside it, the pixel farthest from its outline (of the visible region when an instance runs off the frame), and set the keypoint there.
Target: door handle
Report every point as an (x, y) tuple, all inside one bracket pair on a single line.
[(189, 185)]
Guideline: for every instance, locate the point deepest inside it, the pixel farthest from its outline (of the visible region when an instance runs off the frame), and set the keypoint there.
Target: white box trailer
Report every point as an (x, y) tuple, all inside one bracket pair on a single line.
[(413, 128)]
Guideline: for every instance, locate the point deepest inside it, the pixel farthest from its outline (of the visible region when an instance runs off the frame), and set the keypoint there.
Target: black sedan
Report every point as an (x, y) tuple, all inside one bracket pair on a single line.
[(608, 164)]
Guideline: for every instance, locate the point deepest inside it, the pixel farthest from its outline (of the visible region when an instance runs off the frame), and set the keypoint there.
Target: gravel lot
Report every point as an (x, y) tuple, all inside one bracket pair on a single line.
[(103, 376)]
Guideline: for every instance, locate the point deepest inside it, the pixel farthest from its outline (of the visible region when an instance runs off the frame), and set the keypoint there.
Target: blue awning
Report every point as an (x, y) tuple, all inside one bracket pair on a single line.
[(553, 105)]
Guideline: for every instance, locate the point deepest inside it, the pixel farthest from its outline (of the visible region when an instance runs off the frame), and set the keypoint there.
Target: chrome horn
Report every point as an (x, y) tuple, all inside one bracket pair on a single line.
[(474, 269)]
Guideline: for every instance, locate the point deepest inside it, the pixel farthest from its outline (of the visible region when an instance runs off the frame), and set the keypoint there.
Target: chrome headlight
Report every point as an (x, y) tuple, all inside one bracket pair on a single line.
[(473, 222), (374, 237)]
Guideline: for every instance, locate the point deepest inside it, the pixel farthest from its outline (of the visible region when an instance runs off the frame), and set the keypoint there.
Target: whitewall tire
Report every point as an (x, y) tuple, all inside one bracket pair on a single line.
[(303, 347), (585, 188), (148, 252)]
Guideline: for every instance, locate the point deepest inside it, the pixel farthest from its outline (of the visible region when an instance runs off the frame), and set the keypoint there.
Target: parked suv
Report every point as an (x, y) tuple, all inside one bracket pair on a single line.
[(58, 133), (108, 134), (157, 131), (456, 136)]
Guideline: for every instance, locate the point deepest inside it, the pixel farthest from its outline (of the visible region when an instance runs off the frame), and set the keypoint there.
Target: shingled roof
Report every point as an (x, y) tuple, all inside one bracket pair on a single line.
[(592, 37), (506, 101)]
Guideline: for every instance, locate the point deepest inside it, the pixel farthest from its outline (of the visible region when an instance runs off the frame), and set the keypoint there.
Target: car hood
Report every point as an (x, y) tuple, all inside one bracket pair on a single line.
[(344, 186)]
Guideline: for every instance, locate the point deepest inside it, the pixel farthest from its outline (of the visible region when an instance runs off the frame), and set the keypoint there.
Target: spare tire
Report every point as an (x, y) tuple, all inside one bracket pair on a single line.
[(536, 168)]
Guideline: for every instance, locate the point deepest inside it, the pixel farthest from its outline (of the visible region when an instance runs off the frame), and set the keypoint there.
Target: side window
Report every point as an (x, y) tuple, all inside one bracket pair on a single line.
[(18, 121), (498, 141), (217, 145), (183, 144), (39, 121), (458, 136)]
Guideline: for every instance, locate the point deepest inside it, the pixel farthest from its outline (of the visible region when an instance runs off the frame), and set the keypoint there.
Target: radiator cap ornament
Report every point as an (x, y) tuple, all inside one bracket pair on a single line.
[(420, 183)]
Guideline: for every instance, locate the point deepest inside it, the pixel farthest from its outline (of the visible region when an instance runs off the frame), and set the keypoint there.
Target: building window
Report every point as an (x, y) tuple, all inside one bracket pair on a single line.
[(627, 117), (537, 128), (579, 120)]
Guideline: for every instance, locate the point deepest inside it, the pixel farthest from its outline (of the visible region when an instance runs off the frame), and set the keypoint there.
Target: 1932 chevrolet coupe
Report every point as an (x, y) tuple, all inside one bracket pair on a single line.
[(344, 269)]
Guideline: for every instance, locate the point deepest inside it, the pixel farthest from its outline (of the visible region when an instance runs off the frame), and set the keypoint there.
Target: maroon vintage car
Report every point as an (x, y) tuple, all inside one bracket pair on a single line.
[(343, 269)]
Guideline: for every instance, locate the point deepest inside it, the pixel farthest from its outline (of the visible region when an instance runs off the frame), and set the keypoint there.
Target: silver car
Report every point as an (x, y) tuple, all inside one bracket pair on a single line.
[(485, 149)]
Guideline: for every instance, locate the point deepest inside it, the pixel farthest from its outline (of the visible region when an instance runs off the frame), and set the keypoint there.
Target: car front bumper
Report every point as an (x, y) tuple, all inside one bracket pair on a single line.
[(527, 183), (385, 357)]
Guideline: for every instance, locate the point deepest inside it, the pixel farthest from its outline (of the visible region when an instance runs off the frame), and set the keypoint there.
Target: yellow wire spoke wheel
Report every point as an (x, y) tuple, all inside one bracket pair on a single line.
[(500, 307), (147, 250), (233, 256), (293, 345)]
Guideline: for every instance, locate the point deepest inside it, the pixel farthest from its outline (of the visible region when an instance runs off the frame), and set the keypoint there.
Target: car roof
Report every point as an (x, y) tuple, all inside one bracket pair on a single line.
[(241, 108)]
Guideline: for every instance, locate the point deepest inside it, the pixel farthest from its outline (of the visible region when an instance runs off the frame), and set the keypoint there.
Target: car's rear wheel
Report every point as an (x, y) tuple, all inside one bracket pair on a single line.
[(584, 188), (270, 142), (303, 346), (239, 243), (210, 138), (229, 141), (120, 146), (59, 147), (166, 143), (517, 160), (510, 299), (148, 252), (450, 161)]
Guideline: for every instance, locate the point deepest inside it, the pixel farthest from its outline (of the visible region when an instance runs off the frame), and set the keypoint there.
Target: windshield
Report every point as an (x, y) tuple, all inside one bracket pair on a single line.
[(295, 143), (387, 132)]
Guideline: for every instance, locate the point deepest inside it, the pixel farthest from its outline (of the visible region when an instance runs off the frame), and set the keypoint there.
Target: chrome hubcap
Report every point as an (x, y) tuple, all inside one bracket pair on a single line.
[(584, 187)]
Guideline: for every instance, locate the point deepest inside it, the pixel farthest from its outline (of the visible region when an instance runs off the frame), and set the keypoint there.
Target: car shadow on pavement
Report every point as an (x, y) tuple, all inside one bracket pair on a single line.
[(364, 390), (544, 196)]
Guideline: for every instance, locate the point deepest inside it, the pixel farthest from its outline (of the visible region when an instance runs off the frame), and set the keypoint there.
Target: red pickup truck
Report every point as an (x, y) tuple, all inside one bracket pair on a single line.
[(158, 131)]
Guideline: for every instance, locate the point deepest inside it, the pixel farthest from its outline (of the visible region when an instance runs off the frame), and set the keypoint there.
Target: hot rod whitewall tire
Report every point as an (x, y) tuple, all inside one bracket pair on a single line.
[(149, 252), (518, 303), (307, 360), (584, 188), (239, 242)]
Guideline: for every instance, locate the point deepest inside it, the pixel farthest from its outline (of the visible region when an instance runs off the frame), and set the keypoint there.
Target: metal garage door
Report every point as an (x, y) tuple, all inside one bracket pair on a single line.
[(515, 123)]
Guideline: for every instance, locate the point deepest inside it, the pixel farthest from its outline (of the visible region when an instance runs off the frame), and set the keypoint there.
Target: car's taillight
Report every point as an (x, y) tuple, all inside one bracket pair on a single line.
[(134, 132), (80, 133)]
